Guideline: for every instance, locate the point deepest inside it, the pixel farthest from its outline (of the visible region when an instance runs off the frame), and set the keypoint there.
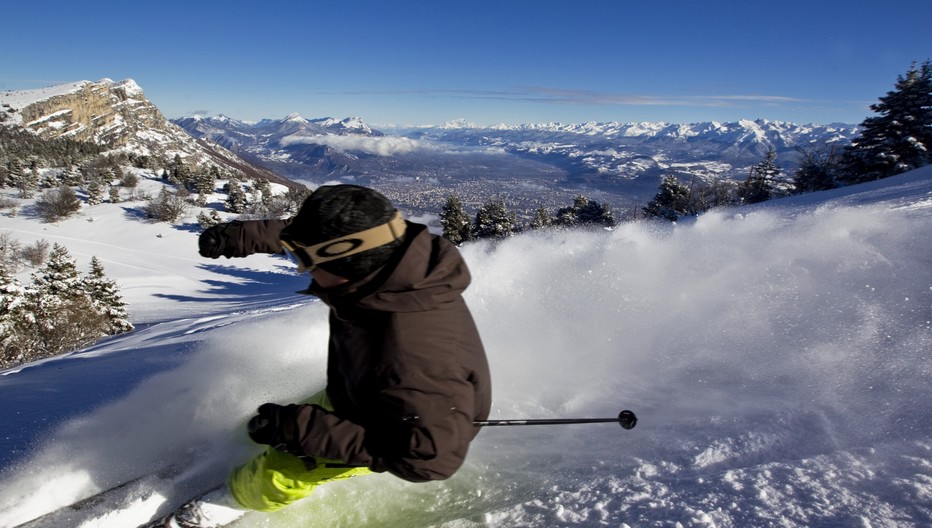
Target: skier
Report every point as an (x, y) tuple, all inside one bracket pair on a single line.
[(406, 371)]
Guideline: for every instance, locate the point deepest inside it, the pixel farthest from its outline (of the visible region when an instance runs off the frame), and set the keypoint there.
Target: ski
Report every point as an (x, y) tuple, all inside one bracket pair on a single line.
[(138, 488), (173, 519)]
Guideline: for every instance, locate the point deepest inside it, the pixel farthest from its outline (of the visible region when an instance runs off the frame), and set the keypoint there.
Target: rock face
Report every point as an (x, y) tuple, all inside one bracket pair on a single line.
[(114, 114), (118, 116)]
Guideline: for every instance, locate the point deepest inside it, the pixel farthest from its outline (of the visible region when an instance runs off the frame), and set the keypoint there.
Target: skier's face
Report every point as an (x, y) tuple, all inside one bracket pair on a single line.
[(326, 279)]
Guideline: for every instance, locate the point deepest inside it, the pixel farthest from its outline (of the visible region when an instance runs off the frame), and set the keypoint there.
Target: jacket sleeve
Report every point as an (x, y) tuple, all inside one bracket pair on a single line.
[(256, 236), (423, 433), (242, 238)]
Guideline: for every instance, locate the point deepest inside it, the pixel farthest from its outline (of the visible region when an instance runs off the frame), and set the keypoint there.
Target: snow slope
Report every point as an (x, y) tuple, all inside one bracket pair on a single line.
[(778, 359)]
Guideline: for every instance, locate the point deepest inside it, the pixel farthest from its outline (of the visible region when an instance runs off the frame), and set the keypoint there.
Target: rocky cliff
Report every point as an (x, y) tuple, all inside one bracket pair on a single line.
[(118, 116)]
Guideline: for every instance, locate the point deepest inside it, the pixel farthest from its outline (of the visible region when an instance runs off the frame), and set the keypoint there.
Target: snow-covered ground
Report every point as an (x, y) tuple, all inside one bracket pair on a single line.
[(778, 359)]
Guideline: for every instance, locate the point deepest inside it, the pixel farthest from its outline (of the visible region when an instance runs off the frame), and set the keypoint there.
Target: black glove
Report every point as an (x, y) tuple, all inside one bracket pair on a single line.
[(275, 425), (223, 239)]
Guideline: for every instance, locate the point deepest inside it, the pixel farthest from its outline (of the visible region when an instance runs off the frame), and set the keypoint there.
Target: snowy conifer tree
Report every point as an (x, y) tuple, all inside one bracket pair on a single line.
[(671, 200), (59, 277), (204, 183), (59, 314), (900, 137), (762, 182), (22, 178), (542, 219), (236, 198), (206, 220), (455, 221), (817, 171), (49, 179), (95, 192), (12, 300), (71, 176), (584, 211), (262, 190), (105, 296), (494, 221)]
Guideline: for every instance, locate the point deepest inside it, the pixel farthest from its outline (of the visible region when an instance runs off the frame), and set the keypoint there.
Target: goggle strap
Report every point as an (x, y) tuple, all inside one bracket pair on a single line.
[(353, 243)]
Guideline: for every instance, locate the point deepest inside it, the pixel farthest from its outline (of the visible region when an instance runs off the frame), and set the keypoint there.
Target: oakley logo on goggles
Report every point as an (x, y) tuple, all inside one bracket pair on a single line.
[(309, 257)]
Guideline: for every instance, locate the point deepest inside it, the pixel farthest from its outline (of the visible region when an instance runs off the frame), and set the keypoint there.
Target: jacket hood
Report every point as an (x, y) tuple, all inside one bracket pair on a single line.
[(428, 272)]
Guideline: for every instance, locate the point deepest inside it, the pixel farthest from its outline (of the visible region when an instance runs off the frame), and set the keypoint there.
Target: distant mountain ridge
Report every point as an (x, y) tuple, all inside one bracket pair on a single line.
[(622, 159), (737, 143), (547, 163), (619, 150)]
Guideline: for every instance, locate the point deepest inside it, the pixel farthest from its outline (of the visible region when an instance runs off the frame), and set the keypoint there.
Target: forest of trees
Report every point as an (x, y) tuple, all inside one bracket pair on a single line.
[(493, 220), (61, 310), (57, 171)]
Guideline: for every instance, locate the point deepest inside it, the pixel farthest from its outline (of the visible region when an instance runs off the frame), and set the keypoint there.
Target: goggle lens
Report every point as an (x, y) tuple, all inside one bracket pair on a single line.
[(298, 257)]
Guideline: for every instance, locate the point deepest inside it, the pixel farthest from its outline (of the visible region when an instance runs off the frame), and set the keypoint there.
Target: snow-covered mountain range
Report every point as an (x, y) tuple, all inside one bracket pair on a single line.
[(623, 160), (530, 165)]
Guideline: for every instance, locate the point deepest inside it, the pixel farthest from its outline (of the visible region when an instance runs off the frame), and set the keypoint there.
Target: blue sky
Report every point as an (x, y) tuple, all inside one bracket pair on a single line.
[(400, 62)]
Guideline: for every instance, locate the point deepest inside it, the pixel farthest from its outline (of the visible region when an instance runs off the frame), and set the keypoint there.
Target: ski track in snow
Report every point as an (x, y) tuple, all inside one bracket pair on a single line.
[(777, 357)]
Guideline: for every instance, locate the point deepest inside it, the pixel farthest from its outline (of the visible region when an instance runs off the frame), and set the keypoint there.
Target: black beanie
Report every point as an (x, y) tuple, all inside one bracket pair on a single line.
[(333, 211)]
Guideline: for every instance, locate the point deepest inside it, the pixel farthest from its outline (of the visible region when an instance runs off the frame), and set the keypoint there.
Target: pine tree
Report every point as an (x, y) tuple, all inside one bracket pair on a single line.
[(236, 198), (596, 213), (178, 173), (762, 181), (263, 190), (71, 176), (584, 212), (900, 137), (60, 314), (294, 198), (455, 221), (49, 180), (542, 219), (59, 276), (204, 183), (95, 192), (816, 172), (493, 220), (21, 178), (106, 299), (670, 202), (206, 220), (12, 301)]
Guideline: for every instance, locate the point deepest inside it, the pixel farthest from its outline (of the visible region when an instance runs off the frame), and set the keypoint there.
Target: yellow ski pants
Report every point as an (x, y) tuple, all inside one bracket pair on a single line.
[(275, 479)]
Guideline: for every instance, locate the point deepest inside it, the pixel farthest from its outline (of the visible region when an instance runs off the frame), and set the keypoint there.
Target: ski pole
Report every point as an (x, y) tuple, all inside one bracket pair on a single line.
[(626, 419)]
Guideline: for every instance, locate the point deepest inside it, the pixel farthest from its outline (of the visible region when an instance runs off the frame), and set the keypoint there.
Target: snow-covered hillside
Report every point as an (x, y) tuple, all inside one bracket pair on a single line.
[(778, 359)]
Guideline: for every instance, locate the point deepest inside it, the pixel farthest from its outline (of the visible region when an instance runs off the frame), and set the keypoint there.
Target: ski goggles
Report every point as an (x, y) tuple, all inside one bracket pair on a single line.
[(308, 258)]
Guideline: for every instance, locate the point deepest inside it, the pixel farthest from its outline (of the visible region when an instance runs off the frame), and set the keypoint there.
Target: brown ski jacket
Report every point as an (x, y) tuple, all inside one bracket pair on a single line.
[(407, 373)]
